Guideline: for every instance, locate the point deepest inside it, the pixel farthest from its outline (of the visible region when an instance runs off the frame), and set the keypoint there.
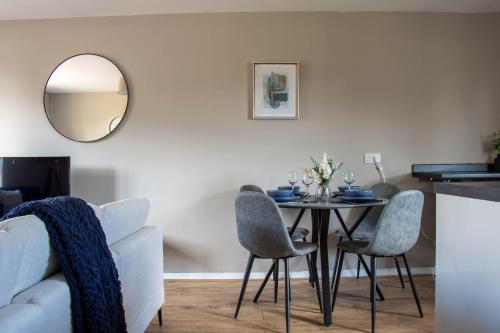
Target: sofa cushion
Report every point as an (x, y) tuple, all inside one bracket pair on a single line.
[(46, 307), (122, 218), (25, 318), (35, 256), (10, 251)]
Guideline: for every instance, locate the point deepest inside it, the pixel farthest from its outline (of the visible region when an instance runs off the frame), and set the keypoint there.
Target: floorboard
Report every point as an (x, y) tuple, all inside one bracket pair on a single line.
[(208, 306)]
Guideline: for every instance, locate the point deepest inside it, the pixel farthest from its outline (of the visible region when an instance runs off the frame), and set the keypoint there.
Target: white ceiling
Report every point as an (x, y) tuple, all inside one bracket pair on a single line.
[(29, 9), (85, 74)]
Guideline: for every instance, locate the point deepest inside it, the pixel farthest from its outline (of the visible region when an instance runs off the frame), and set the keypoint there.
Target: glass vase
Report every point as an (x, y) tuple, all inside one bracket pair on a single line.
[(323, 192)]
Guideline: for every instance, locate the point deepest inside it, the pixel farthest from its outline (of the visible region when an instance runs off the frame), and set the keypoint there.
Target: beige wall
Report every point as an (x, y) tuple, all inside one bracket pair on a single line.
[(84, 116), (415, 87)]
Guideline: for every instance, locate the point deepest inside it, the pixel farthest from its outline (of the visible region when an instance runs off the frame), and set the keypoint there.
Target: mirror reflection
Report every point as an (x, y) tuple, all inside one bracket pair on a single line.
[(86, 97)]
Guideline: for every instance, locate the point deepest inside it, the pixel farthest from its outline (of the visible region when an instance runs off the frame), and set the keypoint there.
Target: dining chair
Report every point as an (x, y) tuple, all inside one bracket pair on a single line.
[(299, 233), (262, 231), (366, 229), (395, 234)]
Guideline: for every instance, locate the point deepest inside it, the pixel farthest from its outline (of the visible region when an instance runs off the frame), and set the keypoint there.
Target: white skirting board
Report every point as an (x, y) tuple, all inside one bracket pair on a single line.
[(296, 275)]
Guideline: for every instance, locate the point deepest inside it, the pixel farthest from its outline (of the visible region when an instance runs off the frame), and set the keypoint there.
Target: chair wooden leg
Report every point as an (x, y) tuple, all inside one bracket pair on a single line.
[(396, 261), (309, 267), (289, 288), (413, 288), (365, 266), (276, 279), (245, 282), (287, 295), (334, 271), (337, 279), (318, 287), (289, 285), (263, 284), (311, 275), (373, 289), (358, 269), (160, 317)]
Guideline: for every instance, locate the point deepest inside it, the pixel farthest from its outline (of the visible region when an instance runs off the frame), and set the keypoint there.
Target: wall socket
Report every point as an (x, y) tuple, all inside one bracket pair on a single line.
[(370, 156)]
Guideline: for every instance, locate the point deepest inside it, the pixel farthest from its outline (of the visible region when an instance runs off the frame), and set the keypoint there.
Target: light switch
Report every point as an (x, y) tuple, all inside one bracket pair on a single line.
[(369, 157)]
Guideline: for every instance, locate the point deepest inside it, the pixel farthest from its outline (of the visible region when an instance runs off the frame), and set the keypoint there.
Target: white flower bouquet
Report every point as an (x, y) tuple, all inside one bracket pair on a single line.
[(324, 171)]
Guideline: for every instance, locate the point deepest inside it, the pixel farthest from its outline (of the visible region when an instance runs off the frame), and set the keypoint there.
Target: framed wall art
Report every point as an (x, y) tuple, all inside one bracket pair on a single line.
[(275, 90)]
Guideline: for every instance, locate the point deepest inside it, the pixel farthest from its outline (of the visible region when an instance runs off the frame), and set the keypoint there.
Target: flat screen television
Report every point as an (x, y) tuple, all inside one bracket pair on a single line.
[(24, 179)]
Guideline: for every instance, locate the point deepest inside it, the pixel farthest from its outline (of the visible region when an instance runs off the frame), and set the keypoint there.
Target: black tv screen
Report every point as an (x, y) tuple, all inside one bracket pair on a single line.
[(26, 179)]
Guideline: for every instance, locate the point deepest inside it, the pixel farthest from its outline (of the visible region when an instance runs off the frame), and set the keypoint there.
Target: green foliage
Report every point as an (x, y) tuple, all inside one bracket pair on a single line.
[(495, 142), (315, 167)]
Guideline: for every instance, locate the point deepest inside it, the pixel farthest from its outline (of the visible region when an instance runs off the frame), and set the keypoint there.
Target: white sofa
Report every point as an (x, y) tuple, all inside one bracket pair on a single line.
[(34, 296)]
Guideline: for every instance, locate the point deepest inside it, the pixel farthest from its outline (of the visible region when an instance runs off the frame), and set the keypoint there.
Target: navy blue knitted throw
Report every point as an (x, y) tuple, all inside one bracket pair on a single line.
[(80, 244)]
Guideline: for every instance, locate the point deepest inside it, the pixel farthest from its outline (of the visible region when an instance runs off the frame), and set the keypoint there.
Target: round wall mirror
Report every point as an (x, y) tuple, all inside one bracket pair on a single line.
[(86, 97)]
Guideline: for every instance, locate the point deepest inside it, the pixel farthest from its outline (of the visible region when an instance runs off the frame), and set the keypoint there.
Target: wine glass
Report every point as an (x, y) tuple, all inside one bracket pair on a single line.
[(349, 178), (307, 180), (292, 179)]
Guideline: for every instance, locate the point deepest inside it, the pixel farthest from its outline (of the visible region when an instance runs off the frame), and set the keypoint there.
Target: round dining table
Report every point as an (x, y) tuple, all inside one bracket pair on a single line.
[(320, 217)]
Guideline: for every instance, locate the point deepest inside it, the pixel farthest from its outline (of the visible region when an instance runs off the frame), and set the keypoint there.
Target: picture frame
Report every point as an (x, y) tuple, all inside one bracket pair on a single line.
[(275, 90)]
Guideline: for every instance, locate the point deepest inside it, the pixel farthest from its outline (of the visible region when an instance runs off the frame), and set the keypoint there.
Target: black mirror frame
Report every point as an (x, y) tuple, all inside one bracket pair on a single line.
[(45, 89)]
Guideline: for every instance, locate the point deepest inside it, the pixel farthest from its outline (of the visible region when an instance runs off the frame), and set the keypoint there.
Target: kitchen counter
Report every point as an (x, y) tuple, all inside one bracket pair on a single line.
[(467, 269), (470, 172), (489, 191)]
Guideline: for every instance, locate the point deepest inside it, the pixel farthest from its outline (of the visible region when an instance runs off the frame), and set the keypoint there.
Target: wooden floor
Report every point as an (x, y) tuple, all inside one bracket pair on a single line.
[(208, 306)]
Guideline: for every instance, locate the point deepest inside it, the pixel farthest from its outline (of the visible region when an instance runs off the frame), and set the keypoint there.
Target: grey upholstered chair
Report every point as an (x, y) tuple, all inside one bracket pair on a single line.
[(251, 188), (366, 229), (395, 234), (298, 234), (262, 231)]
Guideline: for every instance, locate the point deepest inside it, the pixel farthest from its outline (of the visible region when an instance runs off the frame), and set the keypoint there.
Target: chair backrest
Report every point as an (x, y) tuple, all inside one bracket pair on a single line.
[(260, 225), (380, 190), (399, 225), (385, 190), (251, 188)]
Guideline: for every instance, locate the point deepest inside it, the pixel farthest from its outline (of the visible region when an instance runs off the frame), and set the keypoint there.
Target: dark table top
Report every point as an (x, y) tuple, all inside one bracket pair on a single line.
[(329, 205)]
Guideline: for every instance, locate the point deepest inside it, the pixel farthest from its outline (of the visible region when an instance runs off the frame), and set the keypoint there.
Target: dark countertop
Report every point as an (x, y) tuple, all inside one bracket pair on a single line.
[(472, 172), (476, 190)]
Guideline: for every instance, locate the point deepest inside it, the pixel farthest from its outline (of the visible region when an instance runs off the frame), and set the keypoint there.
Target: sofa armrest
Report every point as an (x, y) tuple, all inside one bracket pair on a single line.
[(139, 260)]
